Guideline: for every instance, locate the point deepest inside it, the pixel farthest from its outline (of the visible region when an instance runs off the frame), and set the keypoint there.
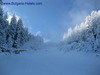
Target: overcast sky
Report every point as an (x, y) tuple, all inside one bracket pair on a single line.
[(53, 17)]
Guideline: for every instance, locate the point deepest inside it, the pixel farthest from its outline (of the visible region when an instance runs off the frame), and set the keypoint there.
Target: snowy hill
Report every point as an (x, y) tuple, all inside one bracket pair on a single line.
[(50, 61), (22, 53)]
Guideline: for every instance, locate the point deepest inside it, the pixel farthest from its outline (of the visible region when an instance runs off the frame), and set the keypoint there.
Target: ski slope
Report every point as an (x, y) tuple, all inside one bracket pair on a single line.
[(50, 61)]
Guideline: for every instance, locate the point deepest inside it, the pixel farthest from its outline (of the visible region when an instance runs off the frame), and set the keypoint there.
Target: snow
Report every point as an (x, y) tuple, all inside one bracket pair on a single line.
[(42, 58), (50, 61), (86, 36)]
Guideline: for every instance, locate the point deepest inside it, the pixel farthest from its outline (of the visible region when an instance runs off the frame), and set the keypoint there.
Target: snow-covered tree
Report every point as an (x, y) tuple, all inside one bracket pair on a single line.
[(1, 15), (6, 23), (13, 31), (35, 42), (20, 33), (87, 34), (2, 31), (13, 34), (24, 35)]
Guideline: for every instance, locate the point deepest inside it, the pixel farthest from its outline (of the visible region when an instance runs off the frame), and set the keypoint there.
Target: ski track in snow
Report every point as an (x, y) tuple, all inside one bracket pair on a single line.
[(50, 61)]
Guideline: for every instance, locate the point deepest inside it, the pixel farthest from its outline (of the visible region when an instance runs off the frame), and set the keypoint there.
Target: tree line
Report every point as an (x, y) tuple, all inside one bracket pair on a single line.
[(13, 34)]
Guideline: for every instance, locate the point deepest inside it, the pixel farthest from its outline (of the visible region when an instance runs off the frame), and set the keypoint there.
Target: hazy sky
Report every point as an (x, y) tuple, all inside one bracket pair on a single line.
[(53, 17)]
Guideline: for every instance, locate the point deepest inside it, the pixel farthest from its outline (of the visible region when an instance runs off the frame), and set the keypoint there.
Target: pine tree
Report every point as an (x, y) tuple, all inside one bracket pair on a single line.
[(14, 35), (1, 15), (2, 31), (19, 30), (24, 35), (13, 30), (87, 34), (6, 23)]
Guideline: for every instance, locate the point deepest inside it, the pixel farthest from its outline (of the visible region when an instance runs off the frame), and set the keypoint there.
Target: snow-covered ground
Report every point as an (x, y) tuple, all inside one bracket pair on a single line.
[(50, 61)]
